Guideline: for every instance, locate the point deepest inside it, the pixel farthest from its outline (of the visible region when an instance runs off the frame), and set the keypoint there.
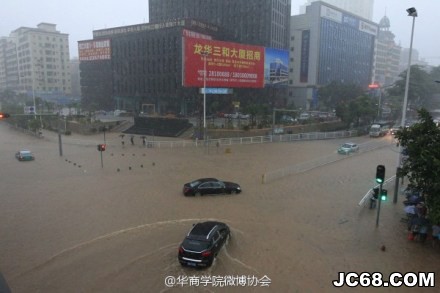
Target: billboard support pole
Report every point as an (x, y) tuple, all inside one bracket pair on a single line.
[(204, 54)]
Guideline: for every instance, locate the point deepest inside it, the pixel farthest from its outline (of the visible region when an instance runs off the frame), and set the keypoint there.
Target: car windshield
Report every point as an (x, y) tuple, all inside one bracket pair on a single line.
[(195, 245)]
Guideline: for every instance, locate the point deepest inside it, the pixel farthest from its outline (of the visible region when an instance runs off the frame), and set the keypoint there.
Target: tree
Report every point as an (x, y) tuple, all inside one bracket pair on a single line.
[(420, 90), (422, 165), (335, 94)]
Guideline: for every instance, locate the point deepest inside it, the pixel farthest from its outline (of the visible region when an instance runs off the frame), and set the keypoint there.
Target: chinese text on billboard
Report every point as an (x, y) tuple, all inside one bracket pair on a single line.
[(94, 50), (227, 64)]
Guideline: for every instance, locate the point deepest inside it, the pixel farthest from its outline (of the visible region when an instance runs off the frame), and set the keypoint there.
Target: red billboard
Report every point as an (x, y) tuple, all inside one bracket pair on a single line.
[(228, 64), (94, 50)]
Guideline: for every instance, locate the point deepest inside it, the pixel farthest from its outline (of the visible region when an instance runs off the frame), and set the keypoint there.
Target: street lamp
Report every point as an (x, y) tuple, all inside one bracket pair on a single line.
[(413, 13)]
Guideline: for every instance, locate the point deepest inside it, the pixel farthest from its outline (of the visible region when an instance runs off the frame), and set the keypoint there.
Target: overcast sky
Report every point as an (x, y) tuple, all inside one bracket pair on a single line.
[(80, 17)]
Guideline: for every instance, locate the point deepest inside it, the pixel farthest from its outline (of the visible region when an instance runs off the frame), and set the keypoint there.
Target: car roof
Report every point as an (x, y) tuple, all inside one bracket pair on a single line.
[(206, 179), (25, 151), (202, 230)]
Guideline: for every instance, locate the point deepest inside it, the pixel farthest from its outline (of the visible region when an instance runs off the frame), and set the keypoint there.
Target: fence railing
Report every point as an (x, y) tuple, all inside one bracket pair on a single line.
[(253, 140), (370, 192), (37, 134)]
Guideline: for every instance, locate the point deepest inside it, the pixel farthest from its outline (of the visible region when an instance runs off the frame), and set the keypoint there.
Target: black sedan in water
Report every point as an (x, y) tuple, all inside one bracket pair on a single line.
[(210, 186)]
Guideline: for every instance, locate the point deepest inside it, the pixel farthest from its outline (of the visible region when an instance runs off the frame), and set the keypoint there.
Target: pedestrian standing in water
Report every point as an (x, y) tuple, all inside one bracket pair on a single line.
[(144, 140), (132, 140)]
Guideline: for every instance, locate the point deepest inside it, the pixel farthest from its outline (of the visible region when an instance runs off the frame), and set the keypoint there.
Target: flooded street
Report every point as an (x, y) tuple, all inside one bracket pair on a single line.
[(68, 225)]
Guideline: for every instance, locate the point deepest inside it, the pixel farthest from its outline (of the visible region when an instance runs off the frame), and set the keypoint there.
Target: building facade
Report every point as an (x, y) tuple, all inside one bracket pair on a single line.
[(144, 62), (75, 77), (387, 57), (415, 59), (262, 22), (328, 44), (37, 61), (142, 65), (362, 8)]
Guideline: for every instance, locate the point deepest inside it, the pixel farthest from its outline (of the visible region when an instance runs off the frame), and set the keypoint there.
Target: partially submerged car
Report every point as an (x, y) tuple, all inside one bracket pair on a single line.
[(347, 148), (204, 186), (24, 155), (202, 244)]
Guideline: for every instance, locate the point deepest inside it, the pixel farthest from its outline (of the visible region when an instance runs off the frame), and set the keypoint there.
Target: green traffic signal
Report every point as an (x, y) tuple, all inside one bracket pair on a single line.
[(384, 195), (380, 173)]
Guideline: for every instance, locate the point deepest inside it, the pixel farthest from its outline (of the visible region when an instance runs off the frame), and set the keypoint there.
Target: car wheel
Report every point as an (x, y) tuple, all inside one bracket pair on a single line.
[(198, 193)]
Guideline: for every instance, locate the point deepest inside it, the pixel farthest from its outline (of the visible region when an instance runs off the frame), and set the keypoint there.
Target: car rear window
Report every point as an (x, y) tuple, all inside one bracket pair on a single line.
[(195, 245)]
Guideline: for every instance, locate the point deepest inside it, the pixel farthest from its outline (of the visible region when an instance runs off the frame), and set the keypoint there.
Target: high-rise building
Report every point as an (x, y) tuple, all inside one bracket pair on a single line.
[(37, 61), (328, 44), (75, 77), (144, 62), (262, 22), (386, 69), (9, 78), (415, 59), (362, 8)]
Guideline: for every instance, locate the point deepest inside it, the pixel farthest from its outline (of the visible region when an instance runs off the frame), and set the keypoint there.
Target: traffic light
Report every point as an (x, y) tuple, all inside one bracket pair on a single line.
[(384, 195), (380, 174), (101, 147), (4, 115), (376, 193)]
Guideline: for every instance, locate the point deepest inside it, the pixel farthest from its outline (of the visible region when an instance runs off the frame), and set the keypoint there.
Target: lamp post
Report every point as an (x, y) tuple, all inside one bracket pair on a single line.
[(413, 13)]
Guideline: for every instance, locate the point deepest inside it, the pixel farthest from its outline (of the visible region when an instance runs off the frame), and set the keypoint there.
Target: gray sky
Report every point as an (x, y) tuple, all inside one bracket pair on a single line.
[(80, 17)]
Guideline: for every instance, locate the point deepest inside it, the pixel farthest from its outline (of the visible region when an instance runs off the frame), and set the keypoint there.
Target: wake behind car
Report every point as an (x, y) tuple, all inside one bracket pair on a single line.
[(202, 244), (204, 186), (24, 155), (347, 148)]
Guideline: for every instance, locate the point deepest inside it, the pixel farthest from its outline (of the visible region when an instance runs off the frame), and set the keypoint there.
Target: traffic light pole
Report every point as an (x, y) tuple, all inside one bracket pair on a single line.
[(378, 206), (102, 162)]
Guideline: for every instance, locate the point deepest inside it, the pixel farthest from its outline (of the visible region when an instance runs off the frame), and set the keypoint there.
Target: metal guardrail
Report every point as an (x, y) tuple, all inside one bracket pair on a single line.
[(221, 141), (370, 192)]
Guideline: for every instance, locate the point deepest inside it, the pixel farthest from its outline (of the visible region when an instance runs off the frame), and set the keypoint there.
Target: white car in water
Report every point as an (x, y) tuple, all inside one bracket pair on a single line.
[(347, 148)]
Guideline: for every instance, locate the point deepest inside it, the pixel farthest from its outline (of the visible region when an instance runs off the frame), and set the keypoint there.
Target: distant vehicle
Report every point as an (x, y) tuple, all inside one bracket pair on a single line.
[(304, 117), (286, 119), (394, 129), (24, 155), (237, 115), (278, 130), (347, 148), (204, 186), (119, 112), (377, 130), (243, 116), (202, 244)]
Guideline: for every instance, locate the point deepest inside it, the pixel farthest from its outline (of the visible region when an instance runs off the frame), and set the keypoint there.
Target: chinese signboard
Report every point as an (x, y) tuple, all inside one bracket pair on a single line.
[(216, 91), (305, 51), (192, 34), (229, 65), (94, 50)]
